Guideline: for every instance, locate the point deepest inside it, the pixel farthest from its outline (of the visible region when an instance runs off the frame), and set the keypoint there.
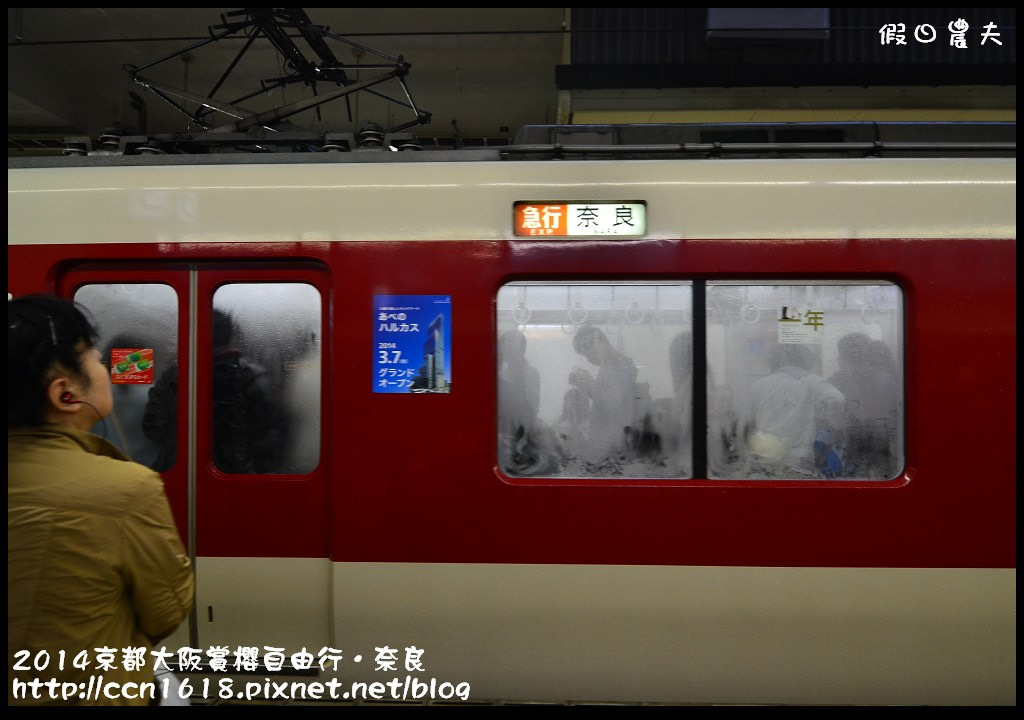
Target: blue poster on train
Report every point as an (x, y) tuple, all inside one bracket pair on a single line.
[(412, 345)]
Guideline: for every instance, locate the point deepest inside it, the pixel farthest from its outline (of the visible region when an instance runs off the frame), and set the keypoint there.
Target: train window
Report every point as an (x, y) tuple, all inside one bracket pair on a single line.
[(798, 380), (266, 378), (138, 325), (804, 380), (595, 379)]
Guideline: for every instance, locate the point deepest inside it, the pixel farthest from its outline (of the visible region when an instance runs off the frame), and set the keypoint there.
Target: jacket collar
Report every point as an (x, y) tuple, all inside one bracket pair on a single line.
[(64, 436)]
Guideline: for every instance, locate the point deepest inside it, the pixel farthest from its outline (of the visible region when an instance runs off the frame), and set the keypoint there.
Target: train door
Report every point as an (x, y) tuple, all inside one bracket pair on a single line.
[(217, 376)]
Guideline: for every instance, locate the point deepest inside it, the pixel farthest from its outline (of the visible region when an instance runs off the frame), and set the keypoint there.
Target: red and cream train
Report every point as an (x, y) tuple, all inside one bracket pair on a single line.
[(377, 289)]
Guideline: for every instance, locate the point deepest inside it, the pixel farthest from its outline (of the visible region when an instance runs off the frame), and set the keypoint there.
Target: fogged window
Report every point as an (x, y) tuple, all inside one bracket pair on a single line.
[(595, 380), (804, 381), (798, 380), (138, 326), (266, 378)]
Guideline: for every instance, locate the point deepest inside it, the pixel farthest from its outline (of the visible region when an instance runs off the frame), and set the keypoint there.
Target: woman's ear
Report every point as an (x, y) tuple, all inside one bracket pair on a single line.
[(61, 395)]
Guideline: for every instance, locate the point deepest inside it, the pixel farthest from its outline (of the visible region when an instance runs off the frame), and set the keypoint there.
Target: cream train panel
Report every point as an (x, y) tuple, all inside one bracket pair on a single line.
[(803, 198), (595, 633)]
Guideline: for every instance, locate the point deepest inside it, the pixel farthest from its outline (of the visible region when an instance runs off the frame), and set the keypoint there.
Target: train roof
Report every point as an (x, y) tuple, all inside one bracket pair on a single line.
[(549, 142)]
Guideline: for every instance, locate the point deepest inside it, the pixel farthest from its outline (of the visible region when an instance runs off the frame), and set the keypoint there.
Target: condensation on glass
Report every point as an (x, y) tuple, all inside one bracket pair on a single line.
[(265, 412), (595, 379), (142, 315), (804, 380), (266, 378)]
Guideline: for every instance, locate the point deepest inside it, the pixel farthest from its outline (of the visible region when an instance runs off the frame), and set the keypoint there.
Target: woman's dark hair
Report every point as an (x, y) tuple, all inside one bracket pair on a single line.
[(43, 332)]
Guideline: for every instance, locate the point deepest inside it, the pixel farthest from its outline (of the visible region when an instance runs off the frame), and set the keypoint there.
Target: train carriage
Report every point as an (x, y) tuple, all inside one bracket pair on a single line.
[(517, 389)]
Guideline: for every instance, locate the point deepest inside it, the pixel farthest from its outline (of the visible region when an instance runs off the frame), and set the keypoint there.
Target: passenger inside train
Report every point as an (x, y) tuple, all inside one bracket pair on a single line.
[(789, 411), (613, 393), (866, 379), (249, 428), (527, 445)]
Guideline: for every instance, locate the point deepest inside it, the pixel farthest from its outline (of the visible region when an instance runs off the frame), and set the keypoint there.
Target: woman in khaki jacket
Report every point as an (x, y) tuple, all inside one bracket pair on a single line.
[(96, 571)]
